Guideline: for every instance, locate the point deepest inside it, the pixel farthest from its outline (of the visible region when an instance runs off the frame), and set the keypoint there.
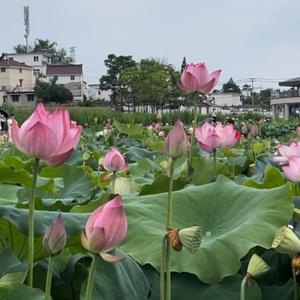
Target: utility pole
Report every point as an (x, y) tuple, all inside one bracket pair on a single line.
[(252, 90), (26, 23)]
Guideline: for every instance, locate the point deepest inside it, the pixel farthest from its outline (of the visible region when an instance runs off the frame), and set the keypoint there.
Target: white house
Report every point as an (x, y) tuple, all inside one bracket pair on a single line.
[(38, 60), (94, 93), (68, 75), (226, 99), (16, 83)]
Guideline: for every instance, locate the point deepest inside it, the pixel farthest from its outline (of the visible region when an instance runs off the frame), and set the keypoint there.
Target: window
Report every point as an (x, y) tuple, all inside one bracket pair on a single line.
[(20, 70), (36, 72), (3, 70), (72, 77), (99, 93), (4, 99), (20, 82), (15, 98), (30, 98), (3, 88), (49, 58), (35, 58)]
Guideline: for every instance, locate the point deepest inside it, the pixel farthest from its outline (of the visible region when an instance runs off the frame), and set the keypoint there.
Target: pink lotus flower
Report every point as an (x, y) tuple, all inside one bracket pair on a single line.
[(254, 130), (229, 135), (244, 128), (51, 137), (195, 78), (210, 137), (105, 229), (114, 161), (55, 238), (287, 152), (293, 170), (176, 142)]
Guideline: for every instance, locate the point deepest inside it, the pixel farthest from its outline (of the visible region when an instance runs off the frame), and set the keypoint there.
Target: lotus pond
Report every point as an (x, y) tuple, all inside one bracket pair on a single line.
[(232, 233)]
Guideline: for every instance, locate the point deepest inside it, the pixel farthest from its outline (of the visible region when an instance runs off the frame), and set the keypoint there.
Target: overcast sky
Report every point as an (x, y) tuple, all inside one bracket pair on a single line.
[(244, 38)]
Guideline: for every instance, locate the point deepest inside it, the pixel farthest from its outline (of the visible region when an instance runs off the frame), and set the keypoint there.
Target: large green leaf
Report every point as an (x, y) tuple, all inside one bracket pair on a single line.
[(17, 291), (187, 286), (272, 178), (123, 280), (234, 219), (8, 193)]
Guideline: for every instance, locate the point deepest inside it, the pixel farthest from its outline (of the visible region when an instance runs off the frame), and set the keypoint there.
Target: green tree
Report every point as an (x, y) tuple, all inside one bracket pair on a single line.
[(152, 83), (231, 87), (111, 81), (51, 92), (22, 48), (40, 45)]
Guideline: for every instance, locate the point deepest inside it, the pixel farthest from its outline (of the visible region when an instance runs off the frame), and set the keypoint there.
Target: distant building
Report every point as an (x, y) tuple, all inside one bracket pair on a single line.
[(94, 93), (68, 75), (226, 99), (287, 103), (38, 61), (16, 83)]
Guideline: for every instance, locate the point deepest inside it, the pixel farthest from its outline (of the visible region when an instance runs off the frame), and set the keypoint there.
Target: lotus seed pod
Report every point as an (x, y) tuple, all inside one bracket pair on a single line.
[(286, 241), (257, 266), (191, 238)]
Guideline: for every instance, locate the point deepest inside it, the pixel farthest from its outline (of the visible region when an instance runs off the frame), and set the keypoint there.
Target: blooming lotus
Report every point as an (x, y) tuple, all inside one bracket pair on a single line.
[(105, 229), (114, 161), (195, 78), (176, 142), (51, 137), (287, 152), (207, 136), (210, 137), (54, 240), (292, 171)]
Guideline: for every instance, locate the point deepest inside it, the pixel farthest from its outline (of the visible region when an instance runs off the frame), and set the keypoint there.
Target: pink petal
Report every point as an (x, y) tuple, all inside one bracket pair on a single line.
[(57, 160), (15, 134), (38, 141), (111, 258)]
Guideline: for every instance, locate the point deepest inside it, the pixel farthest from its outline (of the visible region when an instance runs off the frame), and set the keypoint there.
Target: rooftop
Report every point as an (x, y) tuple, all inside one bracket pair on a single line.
[(64, 69), (12, 63), (293, 82)]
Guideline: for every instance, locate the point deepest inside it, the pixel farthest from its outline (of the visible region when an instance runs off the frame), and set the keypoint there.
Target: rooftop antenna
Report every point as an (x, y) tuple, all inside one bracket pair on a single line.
[(26, 23), (72, 54)]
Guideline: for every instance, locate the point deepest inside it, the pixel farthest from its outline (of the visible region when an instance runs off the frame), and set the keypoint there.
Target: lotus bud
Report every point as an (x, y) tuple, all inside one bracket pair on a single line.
[(191, 238), (161, 134), (298, 130), (159, 116), (257, 266), (286, 242), (114, 161), (55, 238), (105, 229), (176, 142)]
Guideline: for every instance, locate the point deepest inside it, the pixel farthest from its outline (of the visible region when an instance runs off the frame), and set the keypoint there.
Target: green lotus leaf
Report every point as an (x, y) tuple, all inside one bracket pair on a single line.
[(233, 218)]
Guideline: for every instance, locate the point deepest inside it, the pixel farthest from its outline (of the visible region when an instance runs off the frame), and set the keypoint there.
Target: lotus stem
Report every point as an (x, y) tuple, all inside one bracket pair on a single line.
[(295, 284), (163, 267), (194, 127), (90, 283), (215, 159), (169, 224), (243, 285), (49, 278), (31, 223)]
